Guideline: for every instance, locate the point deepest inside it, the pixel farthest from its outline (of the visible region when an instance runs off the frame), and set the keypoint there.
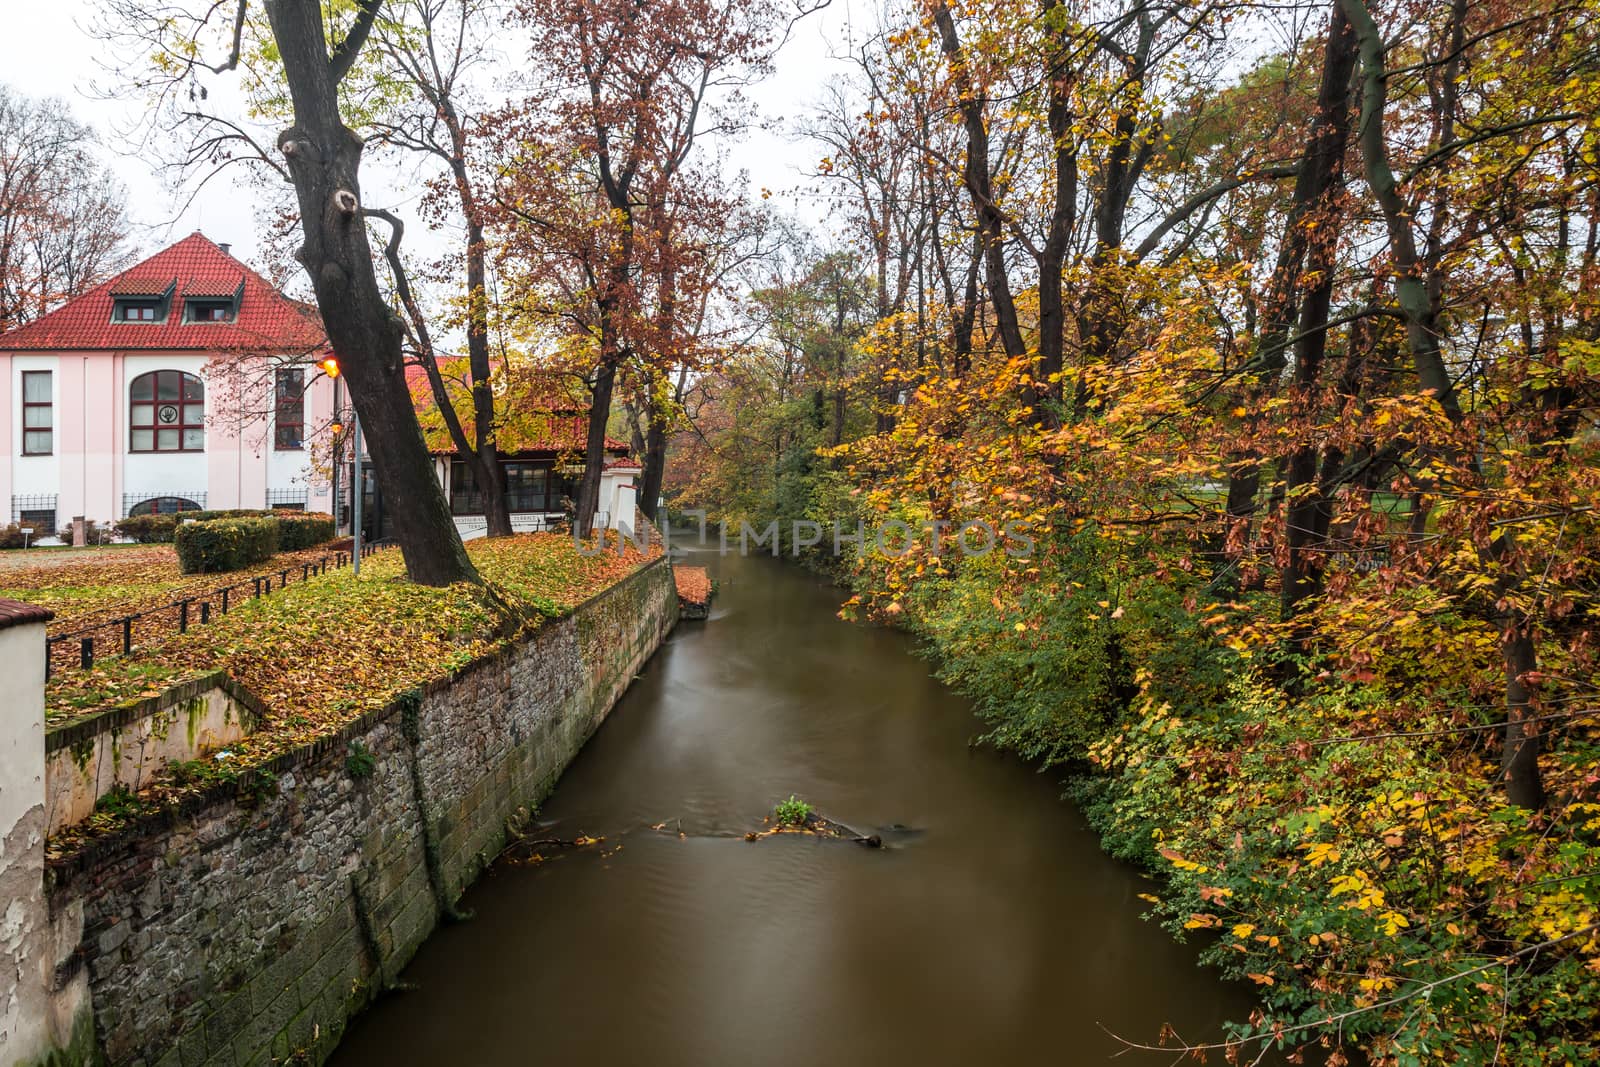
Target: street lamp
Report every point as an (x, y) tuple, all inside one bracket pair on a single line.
[(330, 367)]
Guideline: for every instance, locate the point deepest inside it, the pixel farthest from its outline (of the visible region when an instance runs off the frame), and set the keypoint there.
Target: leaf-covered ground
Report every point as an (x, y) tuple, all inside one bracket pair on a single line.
[(323, 652), (89, 586)]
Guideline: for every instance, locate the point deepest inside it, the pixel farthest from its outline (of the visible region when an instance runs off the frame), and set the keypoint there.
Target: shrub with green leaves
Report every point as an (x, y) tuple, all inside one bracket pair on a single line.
[(147, 529), (302, 529), (224, 544), (791, 812)]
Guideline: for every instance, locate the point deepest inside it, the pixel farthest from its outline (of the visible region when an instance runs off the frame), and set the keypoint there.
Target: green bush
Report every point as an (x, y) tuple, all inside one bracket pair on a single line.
[(148, 529), (296, 529), (302, 529), (225, 544), (791, 812)]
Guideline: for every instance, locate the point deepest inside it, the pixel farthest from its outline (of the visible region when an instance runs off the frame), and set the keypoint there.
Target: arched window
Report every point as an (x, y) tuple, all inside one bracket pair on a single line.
[(167, 412), (163, 505)]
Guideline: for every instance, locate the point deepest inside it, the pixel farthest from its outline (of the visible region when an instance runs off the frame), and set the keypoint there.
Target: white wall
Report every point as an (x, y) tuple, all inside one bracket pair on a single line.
[(31, 1016), (618, 497), (288, 470)]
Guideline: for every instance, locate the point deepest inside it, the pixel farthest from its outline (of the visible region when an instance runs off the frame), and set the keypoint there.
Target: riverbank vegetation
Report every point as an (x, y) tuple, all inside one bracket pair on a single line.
[(1279, 333)]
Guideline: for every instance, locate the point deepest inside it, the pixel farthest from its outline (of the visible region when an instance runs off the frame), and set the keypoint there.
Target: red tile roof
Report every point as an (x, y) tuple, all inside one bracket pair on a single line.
[(546, 412), (267, 321)]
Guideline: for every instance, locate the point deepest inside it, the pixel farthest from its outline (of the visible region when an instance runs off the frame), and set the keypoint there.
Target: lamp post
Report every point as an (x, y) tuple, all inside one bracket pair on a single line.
[(330, 367), (336, 427), (359, 490)]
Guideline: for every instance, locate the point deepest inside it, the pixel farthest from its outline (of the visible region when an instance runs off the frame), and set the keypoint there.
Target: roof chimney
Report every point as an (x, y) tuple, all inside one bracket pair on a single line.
[(224, 248)]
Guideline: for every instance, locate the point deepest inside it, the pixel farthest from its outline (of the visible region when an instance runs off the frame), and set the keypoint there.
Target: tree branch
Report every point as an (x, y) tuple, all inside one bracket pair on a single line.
[(419, 324), (344, 56)]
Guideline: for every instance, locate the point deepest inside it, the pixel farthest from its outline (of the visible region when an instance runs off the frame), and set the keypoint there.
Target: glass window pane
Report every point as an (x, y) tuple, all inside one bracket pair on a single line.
[(194, 440), (143, 440), (166, 440), (193, 388), (167, 385), (36, 387), (194, 414), (144, 387), (36, 441), (36, 418)]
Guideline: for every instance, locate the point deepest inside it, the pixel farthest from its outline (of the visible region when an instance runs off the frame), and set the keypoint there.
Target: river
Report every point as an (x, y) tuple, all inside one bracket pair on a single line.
[(994, 933)]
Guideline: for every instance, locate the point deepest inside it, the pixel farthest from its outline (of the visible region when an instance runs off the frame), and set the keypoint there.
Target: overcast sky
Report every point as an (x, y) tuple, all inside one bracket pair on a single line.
[(45, 51)]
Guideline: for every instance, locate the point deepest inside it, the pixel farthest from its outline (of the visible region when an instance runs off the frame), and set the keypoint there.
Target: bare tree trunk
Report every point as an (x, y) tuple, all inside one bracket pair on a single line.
[(1319, 173), (324, 158), (1306, 524), (491, 476), (991, 225), (655, 462), (1519, 759), (594, 451)]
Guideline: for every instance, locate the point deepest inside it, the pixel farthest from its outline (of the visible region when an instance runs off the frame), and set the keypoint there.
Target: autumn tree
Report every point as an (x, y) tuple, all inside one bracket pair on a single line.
[(1312, 487), (425, 53), (62, 225), (619, 96)]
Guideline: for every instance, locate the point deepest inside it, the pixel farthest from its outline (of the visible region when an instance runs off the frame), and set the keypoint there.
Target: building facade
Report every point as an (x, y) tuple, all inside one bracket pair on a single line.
[(189, 382), (185, 382)]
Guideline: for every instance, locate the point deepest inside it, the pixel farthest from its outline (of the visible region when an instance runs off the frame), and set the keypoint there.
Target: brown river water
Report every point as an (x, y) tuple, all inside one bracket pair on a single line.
[(994, 931)]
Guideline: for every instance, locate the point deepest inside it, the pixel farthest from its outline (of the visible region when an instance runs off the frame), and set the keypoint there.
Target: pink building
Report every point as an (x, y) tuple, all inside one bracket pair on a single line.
[(185, 382)]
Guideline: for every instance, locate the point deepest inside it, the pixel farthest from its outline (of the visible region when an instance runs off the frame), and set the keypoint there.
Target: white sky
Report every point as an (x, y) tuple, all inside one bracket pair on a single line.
[(45, 51)]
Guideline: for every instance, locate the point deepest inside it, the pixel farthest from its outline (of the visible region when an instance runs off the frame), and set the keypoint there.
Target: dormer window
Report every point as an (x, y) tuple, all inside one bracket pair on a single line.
[(142, 300), (138, 310), (209, 310)]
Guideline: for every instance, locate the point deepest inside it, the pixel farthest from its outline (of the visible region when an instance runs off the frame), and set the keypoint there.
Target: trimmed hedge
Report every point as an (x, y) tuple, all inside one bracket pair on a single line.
[(303, 529), (225, 544), (296, 529), (147, 529)]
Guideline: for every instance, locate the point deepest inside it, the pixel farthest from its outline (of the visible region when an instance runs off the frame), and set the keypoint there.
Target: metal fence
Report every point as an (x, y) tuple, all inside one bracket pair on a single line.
[(133, 500), (286, 498), (32, 502), (79, 649)]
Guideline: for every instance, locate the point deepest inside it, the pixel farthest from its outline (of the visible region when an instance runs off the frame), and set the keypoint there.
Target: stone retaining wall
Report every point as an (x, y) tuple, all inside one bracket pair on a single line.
[(249, 926), (123, 747)]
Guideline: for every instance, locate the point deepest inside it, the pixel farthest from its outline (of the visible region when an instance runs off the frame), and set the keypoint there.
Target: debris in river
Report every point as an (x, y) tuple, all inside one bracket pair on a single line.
[(695, 590), (522, 849), (817, 826)]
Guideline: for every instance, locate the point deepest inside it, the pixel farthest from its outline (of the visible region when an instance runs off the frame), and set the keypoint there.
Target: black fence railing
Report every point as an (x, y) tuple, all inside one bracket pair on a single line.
[(286, 498), (119, 636)]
